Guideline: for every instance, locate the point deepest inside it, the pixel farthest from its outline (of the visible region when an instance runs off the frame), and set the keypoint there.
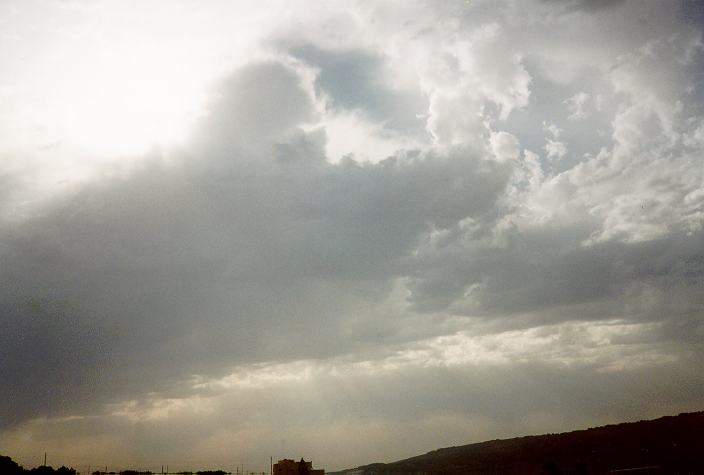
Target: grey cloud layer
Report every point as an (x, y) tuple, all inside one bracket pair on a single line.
[(196, 266), (562, 183)]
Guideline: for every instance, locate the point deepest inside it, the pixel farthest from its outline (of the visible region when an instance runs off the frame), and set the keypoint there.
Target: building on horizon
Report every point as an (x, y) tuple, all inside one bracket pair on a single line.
[(291, 467)]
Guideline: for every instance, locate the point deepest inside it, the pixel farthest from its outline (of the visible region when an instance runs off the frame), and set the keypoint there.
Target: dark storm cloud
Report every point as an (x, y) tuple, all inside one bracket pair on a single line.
[(194, 266), (589, 5), (45, 351), (543, 268)]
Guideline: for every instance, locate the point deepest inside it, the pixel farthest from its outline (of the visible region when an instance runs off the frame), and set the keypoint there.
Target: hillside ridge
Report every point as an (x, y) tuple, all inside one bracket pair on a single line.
[(669, 444)]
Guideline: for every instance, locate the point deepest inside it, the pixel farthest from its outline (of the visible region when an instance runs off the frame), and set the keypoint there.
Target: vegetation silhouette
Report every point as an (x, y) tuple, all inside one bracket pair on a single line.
[(148, 472), (10, 467)]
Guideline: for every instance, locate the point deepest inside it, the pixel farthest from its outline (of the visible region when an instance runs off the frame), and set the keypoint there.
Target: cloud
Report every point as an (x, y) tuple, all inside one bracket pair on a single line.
[(394, 227), (555, 149), (505, 146), (192, 265), (592, 5), (324, 409), (576, 105)]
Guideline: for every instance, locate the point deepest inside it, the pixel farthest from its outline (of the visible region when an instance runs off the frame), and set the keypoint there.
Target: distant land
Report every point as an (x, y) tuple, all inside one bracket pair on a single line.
[(672, 445)]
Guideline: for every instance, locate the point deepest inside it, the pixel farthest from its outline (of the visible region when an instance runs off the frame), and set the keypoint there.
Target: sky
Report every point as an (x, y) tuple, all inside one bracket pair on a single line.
[(349, 231)]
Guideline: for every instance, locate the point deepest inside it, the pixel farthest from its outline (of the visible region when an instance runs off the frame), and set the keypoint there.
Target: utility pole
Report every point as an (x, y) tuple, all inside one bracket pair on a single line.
[(45, 459)]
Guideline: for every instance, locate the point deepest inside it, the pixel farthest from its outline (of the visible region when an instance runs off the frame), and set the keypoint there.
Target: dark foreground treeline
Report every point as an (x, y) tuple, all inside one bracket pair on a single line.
[(669, 445), (10, 467), (137, 472)]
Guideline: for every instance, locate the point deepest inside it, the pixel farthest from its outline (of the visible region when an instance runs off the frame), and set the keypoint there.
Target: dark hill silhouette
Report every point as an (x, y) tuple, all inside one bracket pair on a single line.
[(672, 445)]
